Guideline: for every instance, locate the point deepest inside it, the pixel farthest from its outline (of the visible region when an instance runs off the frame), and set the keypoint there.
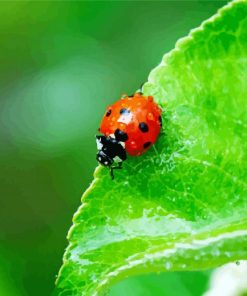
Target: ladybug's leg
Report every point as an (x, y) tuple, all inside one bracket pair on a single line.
[(124, 96), (160, 121), (140, 89), (111, 173), (119, 165), (115, 168)]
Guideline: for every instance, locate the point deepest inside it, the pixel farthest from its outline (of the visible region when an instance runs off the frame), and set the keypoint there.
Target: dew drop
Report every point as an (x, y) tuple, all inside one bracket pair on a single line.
[(168, 265), (216, 252), (150, 116), (228, 254), (133, 145)]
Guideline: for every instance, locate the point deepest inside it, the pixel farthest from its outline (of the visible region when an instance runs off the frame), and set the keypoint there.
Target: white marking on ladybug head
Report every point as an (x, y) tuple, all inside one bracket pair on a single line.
[(117, 159), (99, 144), (122, 144)]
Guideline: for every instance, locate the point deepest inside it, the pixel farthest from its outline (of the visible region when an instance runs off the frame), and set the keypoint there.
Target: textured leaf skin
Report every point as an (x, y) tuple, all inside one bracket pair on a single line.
[(183, 204)]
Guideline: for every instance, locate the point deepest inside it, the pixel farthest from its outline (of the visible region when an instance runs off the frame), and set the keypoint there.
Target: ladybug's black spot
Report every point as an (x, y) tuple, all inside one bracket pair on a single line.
[(121, 136), (143, 127), (124, 111), (160, 120), (108, 113), (146, 144)]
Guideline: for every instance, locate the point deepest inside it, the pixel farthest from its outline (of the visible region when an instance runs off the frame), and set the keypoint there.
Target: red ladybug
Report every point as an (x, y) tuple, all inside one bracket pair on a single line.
[(132, 125)]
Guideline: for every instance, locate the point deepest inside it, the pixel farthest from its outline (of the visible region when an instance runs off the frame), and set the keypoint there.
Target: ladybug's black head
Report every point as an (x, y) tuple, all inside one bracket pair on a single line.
[(103, 158), (110, 151)]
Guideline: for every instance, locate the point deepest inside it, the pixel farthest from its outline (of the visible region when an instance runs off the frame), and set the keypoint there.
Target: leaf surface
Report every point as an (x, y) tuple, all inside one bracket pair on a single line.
[(183, 204)]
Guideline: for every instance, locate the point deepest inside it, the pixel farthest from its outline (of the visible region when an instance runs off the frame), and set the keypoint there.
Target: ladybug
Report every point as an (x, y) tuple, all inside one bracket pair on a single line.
[(130, 125)]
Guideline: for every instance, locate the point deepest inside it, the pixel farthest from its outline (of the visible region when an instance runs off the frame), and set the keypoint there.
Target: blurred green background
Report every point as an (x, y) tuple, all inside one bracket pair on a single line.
[(61, 63)]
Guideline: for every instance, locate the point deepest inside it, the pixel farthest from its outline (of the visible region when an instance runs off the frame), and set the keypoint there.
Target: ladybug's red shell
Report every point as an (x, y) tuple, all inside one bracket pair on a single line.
[(139, 117)]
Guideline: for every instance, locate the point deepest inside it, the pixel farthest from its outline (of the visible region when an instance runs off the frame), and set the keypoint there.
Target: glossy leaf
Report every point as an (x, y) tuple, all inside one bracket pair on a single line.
[(183, 204)]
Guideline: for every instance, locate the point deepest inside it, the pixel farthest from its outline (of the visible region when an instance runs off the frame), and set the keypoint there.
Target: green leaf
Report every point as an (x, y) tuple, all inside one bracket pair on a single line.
[(164, 283), (183, 204)]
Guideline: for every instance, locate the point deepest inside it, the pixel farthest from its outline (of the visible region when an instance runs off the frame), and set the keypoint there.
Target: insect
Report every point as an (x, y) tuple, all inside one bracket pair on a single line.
[(129, 126)]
